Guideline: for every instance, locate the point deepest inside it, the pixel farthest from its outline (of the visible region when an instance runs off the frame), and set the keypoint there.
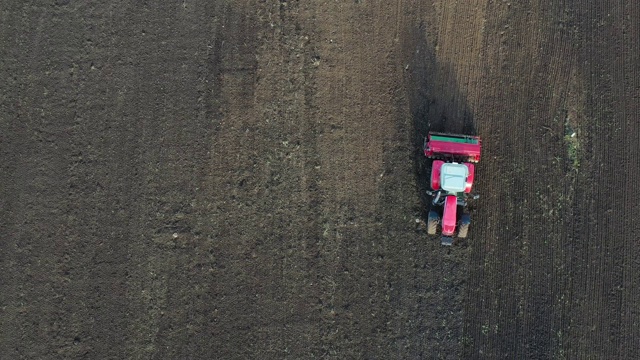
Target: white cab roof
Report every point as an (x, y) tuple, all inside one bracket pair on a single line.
[(453, 177)]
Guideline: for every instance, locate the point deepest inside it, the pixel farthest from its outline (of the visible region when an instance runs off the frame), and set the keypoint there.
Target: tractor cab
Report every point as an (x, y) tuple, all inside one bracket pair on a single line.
[(453, 177)]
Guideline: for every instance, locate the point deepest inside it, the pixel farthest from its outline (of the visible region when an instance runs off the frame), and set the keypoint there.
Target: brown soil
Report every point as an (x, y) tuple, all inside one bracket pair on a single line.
[(243, 179)]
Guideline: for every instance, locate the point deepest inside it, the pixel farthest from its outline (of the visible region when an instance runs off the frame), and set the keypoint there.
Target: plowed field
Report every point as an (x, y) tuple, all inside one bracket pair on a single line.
[(236, 179)]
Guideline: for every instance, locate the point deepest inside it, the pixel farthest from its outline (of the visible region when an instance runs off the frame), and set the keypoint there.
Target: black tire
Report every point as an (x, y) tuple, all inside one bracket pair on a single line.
[(463, 228), (432, 223)]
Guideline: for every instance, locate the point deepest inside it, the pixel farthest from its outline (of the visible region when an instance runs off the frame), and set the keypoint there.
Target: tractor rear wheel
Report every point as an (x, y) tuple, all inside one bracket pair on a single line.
[(432, 223), (463, 228)]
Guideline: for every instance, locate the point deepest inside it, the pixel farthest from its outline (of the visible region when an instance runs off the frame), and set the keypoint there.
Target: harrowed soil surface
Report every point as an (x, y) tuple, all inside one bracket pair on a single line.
[(236, 179)]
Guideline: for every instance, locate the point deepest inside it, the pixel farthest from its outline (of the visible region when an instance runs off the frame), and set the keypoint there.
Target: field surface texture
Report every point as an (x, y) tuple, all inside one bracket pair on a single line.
[(244, 180)]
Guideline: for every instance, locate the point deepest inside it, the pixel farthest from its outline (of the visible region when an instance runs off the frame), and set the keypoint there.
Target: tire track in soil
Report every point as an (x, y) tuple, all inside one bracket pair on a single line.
[(350, 144), (495, 72), (370, 252), (550, 280), (517, 310), (61, 264), (175, 92), (436, 102), (266, 238), (603, 312)]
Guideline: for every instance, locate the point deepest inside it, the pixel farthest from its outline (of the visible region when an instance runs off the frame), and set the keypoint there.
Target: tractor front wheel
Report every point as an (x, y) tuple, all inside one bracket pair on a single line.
[(463, 228), (432, 223)]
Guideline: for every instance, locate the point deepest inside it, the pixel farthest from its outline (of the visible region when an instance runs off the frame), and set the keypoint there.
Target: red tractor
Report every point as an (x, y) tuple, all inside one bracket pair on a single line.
[(452, 176)]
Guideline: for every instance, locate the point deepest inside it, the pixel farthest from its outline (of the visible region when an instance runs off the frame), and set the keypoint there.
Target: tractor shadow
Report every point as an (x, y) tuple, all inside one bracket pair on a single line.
[(436, 103)]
